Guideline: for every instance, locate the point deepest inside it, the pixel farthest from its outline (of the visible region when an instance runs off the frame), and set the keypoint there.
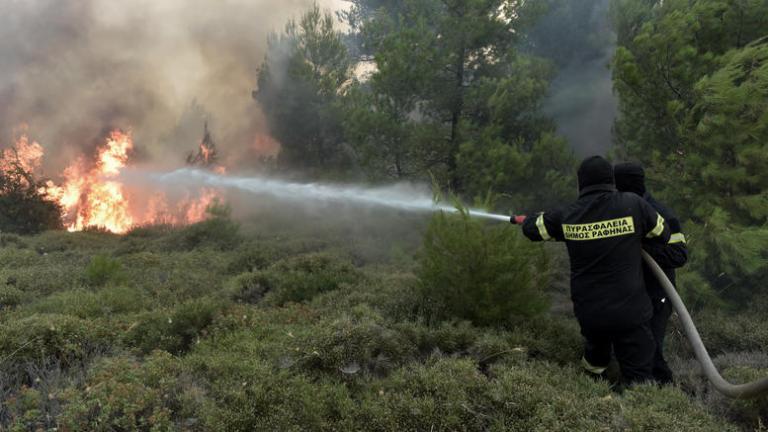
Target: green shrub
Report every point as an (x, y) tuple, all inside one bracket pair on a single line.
[(63, 241), (486, 274), (667, 408), (103, 270), (145, 232), (218, 232), (737, 368), (248, 287), (445, 394), (12, 240), (175, 330), (538, 396), (727, 333), (277, 400), (122, 394), (443, 338), (88, 304), (255, 255), (300, 278), (10, 296), (696, 292), (50, 337), (552, 338), (13, 258), (391, 293), (175, 277), (42, 278), (355, 345)]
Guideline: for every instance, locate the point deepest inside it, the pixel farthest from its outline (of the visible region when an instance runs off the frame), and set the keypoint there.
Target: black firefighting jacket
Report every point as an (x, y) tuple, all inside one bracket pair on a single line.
[(669, 256), (604, 231)]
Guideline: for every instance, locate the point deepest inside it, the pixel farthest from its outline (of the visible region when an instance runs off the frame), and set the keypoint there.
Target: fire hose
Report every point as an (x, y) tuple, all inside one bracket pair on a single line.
[(738, 391)]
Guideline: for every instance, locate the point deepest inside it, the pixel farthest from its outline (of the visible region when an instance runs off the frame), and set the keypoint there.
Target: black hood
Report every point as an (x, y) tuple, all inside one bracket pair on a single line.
[(595, 171), (630, 177)]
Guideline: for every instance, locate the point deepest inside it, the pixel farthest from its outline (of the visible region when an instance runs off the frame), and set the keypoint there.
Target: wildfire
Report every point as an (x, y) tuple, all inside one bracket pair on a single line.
[(24, 154), (92, 194)]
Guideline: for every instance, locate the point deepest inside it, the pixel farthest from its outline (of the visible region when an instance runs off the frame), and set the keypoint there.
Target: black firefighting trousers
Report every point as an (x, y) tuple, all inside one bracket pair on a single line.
[(662, 310), (634, 348)]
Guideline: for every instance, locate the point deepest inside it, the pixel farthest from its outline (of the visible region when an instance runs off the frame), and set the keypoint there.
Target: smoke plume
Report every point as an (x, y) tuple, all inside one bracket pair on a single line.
[(72, 70), (577, 36)]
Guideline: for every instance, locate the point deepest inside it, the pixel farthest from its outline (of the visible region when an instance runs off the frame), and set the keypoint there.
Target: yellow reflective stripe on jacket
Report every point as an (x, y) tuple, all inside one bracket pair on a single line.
[(659, 227), (542, 228), (597, 370), (677, 238)]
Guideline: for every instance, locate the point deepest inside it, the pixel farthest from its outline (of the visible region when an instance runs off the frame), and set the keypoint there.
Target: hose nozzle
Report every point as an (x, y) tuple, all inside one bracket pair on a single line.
[(517, 219)]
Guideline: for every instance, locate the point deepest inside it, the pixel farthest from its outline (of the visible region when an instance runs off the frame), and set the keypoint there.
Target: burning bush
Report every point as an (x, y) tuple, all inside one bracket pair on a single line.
[(480, 273), (25, 207)]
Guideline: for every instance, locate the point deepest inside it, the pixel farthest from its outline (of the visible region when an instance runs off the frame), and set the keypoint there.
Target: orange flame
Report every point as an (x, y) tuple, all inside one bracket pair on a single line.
[(26, 155), (93, 194)]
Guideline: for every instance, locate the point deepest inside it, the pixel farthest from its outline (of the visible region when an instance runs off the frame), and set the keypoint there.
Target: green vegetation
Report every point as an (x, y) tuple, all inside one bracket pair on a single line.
[(487, 275), (691, 76), (450, 96), (302, 336)]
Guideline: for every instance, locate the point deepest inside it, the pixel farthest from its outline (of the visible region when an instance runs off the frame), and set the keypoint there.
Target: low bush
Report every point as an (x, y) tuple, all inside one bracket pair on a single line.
[(723, 332), (42, 278), (103, 270), (392, 294), (355, 345), (63, 241), (248, 287), (175, 330), (667, 408), (53, 338), (89, 304), (444, 394), (489, 275), (301, 278), (12, 240), (278, 400), (218, 232), (175, 277), (121, 393), (10, 296), (737, 368), (145, 232), (255, 255)]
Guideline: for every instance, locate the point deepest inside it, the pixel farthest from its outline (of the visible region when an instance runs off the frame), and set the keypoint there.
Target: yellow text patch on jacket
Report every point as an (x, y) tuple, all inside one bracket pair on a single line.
[(600, 229)]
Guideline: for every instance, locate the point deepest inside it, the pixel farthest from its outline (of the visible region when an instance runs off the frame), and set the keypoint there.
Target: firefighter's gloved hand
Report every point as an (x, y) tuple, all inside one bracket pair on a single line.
[(517, 220)]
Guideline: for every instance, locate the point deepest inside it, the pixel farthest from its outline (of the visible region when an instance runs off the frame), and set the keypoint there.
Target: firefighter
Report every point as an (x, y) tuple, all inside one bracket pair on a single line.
[(630, 177), (604, 231)]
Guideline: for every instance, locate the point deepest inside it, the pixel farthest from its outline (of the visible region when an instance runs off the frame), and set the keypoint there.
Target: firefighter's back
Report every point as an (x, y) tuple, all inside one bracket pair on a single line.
[(604, 230)]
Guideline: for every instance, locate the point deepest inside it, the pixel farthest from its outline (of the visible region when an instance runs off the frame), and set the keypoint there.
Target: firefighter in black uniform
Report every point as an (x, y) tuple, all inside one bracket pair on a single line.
[(630, 177), (604, 231)]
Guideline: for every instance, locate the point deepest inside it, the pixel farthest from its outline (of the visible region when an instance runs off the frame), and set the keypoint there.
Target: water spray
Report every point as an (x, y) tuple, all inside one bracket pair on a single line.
[(409, 198), (402, 197)]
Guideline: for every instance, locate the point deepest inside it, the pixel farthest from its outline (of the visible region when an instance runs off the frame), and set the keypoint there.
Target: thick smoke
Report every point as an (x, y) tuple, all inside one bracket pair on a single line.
[(577, 36), (71, 70)]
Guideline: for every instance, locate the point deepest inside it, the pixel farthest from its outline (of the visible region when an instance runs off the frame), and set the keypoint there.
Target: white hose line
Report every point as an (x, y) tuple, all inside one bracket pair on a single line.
[(738, 391)]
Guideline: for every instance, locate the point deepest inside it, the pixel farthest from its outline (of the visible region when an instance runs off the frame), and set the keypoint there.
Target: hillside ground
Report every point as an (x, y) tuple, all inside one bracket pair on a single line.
[(310, 320)]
